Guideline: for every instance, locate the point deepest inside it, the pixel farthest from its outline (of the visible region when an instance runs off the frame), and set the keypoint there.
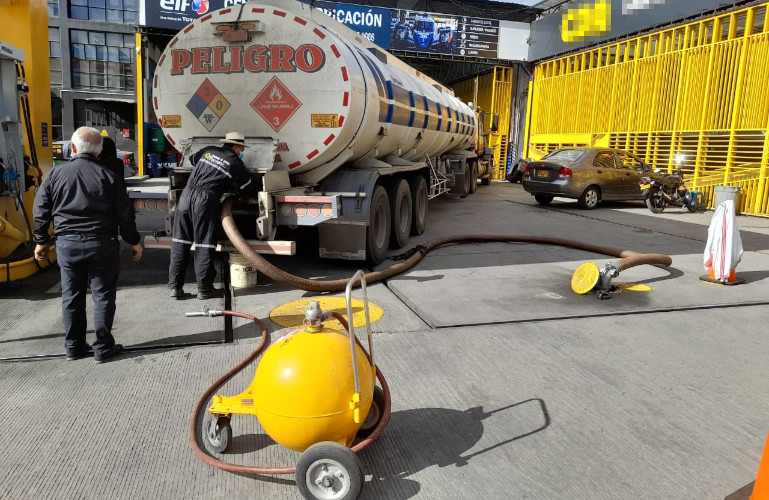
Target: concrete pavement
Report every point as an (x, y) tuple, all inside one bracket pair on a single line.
[(505, 384)]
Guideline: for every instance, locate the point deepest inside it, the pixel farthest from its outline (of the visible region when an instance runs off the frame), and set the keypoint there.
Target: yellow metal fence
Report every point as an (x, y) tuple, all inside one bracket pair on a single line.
[(494, 96), (695, 96)]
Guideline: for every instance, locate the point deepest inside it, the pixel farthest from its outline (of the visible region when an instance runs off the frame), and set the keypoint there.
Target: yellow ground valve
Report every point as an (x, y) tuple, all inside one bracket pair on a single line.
[(585, 278)]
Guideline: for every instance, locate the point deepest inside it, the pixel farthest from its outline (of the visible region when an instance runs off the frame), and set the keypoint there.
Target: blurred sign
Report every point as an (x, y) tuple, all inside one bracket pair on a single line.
[(581, 23)]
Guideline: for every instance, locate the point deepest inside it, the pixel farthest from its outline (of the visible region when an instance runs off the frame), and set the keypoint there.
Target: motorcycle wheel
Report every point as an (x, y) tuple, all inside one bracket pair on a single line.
[(656, 202)]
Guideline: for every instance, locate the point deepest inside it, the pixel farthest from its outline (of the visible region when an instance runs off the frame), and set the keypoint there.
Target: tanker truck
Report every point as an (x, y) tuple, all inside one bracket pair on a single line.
[(342, 135)]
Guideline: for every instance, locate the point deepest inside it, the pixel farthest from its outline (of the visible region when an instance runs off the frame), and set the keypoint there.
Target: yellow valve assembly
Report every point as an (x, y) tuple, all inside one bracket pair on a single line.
[(303, 391), (313, 385), (588, 277), (314, 392)]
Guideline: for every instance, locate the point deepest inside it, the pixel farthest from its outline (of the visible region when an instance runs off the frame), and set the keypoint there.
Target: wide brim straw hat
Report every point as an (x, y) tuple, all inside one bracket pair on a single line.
[(234, 138)]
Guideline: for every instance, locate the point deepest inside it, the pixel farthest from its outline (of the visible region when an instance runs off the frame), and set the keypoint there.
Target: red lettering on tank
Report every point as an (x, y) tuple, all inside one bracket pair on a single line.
[(217, 60), (277, 58), (281, 146), (278, 159), (201, 59), (180, 60), (254, 59), (236, 59), (307, 58), (280, 59)]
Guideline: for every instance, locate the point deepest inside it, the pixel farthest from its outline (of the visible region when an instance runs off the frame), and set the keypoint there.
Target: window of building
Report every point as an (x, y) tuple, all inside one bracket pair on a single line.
[(56, 126), (53, 8), (115, 11), (54, 56), (102, 60)]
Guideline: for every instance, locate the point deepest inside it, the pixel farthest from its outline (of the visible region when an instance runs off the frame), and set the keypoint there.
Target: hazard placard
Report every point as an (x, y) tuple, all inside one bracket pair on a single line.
[(324, 121), (275, 103)]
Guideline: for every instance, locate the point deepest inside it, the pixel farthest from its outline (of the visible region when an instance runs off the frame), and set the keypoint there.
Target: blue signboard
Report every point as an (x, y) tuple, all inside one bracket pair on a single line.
[(415, 31), (373, 23)]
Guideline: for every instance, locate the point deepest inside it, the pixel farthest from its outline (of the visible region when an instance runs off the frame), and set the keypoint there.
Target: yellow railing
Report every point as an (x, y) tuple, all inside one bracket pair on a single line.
[(494, 95), (693, 96)]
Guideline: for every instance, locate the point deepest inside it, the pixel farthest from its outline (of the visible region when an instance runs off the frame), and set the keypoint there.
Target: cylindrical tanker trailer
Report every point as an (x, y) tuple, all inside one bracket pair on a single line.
[(342, 135)]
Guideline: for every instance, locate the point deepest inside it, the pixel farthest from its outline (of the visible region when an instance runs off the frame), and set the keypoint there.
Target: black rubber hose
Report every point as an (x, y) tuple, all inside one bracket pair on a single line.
[(630, 258)]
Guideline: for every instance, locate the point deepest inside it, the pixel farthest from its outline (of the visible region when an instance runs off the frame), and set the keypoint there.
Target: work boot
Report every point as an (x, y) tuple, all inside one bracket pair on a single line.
[(109, 353), (88, 351), (177, 293), (212, 293)]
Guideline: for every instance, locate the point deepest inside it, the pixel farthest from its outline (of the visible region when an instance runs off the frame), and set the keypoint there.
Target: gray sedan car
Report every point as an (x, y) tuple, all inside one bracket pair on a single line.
[(587, 175)]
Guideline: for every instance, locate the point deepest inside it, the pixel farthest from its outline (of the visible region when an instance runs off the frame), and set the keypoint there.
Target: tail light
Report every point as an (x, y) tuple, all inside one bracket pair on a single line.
[(564, 172), (525, 168)]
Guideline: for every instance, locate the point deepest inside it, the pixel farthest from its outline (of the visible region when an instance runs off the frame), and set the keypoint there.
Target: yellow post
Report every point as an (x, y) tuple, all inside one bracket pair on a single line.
[(528, 119), (139, 106), (23, 21)]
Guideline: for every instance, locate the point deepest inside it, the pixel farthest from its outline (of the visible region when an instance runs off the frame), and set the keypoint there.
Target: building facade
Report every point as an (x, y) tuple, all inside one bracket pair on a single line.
[(92, 55)]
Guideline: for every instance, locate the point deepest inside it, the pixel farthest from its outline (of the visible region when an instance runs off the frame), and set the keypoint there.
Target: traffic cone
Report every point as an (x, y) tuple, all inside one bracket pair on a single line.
[(761, 488), (732, 275), (723, 250), (732, 279)]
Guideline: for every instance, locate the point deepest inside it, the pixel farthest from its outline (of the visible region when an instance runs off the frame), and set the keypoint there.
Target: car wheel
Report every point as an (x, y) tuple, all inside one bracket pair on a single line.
[(543, 199), (590, 198), (516, 173)]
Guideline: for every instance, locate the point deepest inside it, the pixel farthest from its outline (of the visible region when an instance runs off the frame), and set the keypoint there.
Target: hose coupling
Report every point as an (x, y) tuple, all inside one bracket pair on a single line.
[(314, 315), (205, 312), (609, 271)]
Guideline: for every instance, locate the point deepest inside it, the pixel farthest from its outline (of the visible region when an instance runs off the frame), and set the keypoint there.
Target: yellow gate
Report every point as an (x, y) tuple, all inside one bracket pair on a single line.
[(495, 97), (693, 96)]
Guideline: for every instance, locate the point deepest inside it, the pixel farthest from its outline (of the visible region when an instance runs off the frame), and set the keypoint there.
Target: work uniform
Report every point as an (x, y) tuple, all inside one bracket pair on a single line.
[(88, 206), (198, 213)]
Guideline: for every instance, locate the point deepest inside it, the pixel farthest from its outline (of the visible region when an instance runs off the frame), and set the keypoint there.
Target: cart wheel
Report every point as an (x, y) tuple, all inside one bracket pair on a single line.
[(374, 414), (218, 433), (329, 471)]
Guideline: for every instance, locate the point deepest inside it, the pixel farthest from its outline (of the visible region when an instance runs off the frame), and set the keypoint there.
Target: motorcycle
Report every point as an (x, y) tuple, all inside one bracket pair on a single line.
[(662, 189)]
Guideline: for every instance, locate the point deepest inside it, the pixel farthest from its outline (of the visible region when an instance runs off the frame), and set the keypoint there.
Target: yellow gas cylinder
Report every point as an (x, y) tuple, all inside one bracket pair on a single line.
[(304, 388)]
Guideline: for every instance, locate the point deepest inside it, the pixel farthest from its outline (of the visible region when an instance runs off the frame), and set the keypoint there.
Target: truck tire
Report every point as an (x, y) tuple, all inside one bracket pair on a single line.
[(378, 232), (473, 178), (419, 197), (400, 215), (467, 178)]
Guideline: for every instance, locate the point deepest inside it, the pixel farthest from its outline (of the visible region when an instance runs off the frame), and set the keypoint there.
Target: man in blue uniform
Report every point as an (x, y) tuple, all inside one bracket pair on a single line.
[(198, 212), (88, 206)]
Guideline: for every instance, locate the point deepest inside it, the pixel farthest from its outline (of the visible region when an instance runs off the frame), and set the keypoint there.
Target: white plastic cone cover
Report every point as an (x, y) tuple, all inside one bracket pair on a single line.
[(723, 250)]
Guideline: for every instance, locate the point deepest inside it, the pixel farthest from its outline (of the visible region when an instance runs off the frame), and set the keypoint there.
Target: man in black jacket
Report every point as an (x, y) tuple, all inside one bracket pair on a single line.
[(198, 212), (88, 206)]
